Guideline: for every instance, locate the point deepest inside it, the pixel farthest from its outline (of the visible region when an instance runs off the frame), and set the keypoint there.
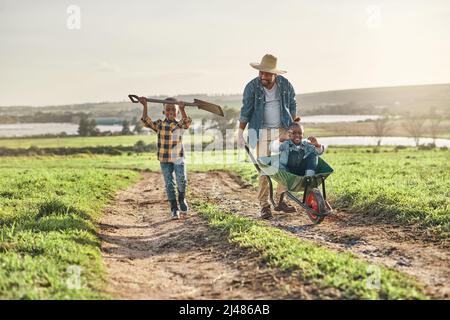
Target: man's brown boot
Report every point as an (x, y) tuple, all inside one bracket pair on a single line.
[(265, 213), (283, 206)]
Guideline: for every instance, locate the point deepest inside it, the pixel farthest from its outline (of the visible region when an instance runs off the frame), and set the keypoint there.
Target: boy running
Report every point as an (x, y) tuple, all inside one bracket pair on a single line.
[(170, 151)]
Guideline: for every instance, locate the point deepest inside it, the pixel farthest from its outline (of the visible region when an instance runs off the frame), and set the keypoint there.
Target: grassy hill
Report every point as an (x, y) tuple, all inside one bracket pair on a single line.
[(404, 99), (399, 100)]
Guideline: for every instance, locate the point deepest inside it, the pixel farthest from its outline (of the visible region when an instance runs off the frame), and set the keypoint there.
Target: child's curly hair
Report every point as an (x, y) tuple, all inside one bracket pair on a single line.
[(295, 125), (170, 101)]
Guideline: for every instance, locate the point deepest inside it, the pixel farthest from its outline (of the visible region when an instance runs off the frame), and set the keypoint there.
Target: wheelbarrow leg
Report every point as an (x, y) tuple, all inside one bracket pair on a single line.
[(323, 189), (306, 189), (325, 196)]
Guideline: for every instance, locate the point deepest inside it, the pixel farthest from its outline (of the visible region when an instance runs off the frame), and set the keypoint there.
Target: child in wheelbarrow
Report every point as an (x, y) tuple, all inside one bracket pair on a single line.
[(297, 155), (170, 151)]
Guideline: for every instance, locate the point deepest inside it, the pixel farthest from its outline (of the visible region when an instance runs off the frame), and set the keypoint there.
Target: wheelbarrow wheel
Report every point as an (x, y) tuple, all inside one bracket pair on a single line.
[(316, 203)]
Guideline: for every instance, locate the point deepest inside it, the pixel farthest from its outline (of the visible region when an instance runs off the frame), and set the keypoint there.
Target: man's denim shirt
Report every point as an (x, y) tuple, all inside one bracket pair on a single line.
[(252, 111)]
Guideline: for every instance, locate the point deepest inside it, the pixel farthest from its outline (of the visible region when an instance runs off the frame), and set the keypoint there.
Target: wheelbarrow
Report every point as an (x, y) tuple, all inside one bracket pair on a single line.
[(313, 201)]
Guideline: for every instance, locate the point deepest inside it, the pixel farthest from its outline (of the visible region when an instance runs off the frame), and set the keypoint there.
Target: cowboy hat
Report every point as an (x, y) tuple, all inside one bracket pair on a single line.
[(268, 64)]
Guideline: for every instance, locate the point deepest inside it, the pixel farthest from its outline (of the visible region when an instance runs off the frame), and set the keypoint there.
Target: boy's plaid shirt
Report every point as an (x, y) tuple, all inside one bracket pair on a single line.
[(170, 137)]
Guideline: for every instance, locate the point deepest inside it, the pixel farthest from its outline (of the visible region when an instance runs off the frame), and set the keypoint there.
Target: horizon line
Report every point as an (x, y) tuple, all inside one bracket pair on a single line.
[(225, 95)]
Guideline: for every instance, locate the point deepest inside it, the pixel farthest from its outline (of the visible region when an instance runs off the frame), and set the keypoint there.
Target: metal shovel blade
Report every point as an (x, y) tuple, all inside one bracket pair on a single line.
[(208, 106)]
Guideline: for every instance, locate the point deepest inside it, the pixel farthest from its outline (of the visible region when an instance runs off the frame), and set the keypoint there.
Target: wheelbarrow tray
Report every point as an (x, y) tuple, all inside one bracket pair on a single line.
[(293, 182)]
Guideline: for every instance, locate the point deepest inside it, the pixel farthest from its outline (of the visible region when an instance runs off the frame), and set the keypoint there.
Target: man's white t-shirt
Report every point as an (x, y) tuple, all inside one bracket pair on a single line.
[(272, 110)]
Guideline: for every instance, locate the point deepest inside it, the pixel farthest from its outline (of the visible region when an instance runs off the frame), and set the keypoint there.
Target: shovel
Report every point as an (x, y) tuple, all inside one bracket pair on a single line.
[(203, 105)]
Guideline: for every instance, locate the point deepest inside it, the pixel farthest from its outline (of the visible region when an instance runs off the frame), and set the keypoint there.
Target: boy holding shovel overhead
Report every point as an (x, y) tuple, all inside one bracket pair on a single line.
[(170, 151)]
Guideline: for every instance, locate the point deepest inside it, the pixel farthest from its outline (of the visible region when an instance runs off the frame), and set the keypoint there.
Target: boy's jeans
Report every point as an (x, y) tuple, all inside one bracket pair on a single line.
[(168, 168), (301, 166)]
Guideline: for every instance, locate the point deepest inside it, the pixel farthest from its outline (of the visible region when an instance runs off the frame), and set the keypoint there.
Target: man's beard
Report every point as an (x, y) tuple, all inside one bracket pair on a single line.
[(266, 83)]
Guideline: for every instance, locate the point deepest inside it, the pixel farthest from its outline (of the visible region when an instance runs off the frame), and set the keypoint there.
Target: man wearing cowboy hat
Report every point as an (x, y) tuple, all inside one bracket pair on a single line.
[(269, 108)]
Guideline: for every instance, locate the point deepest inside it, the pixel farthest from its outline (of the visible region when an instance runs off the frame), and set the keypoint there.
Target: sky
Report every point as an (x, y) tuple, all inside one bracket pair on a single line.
[(66, 52)]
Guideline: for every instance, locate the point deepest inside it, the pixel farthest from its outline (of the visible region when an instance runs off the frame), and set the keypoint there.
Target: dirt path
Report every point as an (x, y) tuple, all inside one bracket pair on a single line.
[(149, 256), (405, 249)]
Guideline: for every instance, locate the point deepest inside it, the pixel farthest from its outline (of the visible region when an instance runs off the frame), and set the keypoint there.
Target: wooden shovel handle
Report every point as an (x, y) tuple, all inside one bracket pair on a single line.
[(135, 99)]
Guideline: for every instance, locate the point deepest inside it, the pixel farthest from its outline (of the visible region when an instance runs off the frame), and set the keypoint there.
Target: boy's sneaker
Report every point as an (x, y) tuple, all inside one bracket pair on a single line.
[(183, 204), (174, 209)]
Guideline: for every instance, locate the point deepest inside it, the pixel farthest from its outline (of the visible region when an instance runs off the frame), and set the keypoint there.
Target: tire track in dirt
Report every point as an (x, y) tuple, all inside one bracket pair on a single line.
[(403, 248), (149, 256)]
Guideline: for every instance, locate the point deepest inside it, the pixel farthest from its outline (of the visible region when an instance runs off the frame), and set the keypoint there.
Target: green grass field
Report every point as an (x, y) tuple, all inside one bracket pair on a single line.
[(312, 263), (407, 185), (48, 208), (74, 142), (48, 232), (80, 142)]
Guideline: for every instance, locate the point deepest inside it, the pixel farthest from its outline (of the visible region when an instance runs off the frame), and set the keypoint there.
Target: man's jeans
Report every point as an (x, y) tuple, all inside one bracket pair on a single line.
[(168, 168), (263, 150)]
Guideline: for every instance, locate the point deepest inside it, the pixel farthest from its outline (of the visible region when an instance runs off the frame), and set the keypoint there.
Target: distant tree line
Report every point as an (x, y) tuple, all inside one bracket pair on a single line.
[(414, 125), (88, 127), (340, 109), (43, 117)]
